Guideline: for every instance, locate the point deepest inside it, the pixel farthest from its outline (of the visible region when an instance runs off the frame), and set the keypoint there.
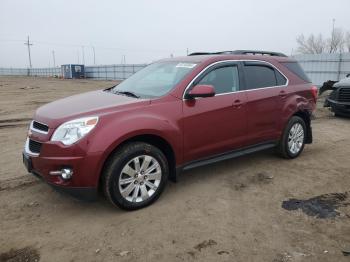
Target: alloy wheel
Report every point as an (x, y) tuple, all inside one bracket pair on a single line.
[(140, 178), (296, 138)]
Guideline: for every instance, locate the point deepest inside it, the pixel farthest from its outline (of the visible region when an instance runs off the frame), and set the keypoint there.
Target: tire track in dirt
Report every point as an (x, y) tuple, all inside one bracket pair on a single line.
[(29, 254), (17, 183), (15, 122)]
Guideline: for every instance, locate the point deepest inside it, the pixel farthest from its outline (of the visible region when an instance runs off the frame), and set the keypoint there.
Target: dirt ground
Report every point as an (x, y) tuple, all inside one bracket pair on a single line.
[(229, 211)]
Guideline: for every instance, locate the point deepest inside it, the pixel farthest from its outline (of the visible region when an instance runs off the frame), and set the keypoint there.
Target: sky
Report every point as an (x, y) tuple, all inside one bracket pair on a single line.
[(143, 31)]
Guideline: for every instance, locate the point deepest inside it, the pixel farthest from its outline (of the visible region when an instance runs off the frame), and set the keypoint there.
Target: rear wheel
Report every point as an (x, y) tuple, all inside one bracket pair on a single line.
[(293, 139), (135, 176)]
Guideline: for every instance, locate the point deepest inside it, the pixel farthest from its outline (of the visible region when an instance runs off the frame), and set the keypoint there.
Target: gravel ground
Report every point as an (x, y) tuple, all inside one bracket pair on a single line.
[(229, 211)]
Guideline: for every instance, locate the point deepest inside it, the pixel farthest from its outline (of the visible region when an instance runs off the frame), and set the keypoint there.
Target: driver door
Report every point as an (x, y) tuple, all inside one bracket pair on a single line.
[(217, 124)]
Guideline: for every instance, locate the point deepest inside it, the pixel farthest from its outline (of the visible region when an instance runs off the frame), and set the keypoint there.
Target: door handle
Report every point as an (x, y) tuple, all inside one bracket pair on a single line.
[(283, 94), (237, 103)]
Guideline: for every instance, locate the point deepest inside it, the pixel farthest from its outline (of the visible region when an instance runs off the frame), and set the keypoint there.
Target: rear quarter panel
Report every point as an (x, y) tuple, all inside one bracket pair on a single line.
[(299, 98)]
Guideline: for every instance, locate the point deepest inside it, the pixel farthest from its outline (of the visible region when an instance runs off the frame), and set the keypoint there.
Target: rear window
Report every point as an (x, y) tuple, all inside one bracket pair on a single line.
[(259, 76), (296, 69)]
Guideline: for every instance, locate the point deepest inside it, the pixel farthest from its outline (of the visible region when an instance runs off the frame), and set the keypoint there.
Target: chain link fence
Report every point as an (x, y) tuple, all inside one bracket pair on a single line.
[(101, 72), (319, 68), (53, 71), (323, 67), (112, 72)]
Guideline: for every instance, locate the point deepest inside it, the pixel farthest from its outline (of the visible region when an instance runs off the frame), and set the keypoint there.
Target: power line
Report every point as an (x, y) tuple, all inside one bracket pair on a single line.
[(65, 44), (28, 44)]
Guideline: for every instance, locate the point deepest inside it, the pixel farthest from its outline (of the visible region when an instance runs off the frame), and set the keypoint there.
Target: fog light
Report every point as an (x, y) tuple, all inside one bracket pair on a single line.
[(66, 173)]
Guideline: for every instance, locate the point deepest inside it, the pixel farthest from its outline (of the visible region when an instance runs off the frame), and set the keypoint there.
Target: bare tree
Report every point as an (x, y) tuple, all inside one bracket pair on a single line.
[(347, 41), (336, 42), (311, 45), (318, 44)]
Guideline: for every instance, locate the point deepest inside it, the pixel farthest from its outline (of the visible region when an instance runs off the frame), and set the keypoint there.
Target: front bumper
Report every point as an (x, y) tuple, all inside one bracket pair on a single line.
[(83, 193), (339, 108), (53, 156)]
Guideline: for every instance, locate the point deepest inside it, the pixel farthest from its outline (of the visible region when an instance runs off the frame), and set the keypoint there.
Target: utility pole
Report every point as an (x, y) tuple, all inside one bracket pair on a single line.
[(28, 44), (187, 51), (332, 39), (93, 50), (83, 55), (123, 59), (53, 57), (78, 57)]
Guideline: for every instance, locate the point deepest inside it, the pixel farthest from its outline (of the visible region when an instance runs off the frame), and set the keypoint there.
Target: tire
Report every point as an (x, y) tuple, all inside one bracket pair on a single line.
[(121, 181), (285, 147)]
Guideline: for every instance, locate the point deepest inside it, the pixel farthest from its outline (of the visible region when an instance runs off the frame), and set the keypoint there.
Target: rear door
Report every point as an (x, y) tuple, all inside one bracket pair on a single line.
[(264, 89), (215, 124)]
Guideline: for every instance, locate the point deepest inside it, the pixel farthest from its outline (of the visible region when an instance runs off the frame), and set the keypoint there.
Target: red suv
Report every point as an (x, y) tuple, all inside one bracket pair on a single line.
[(175, 114)]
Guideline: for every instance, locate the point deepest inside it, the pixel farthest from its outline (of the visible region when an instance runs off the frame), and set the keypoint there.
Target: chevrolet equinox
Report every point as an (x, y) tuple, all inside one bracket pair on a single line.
[(175, 114)]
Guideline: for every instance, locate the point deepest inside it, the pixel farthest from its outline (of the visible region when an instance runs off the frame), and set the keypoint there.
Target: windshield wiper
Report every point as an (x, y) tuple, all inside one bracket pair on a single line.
[(126, 93)]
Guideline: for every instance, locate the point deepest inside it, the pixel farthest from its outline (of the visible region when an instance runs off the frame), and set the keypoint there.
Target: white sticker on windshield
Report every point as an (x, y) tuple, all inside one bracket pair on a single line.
[(186, 65)]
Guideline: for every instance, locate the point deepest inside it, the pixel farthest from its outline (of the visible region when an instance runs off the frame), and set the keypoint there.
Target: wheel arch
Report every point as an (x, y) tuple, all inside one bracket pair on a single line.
[(306, 116), (154, 140)]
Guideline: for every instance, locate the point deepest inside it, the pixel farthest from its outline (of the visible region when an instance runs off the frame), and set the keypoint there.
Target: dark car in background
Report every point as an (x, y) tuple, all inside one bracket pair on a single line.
[(339, 99)]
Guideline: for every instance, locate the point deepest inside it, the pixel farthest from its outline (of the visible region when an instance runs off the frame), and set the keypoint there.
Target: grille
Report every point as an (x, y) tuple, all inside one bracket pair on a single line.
[(40, 126), (34, 146), (344, 95)]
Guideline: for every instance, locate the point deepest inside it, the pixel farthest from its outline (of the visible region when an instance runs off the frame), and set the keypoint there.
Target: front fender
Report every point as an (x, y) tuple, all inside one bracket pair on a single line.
[(114, 130)]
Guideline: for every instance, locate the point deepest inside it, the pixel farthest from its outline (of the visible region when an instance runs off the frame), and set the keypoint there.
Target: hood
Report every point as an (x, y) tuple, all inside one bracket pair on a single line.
[(86, 104), (343, 83)]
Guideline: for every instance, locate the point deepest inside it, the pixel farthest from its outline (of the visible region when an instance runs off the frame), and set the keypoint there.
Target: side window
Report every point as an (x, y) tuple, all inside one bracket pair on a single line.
[(224, 79), (281, 80), (259, 76)]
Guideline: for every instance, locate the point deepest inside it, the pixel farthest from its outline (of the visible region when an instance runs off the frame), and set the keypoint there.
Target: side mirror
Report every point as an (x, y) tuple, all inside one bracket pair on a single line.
[(201, 91)]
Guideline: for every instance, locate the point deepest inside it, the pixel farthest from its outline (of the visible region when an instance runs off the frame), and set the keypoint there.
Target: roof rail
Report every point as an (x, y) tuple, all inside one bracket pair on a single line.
[(258, 52), (240, 52), (200, 53)]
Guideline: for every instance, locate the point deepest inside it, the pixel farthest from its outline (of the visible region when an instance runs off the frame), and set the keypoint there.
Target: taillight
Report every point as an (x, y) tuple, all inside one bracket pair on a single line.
[(314, 92)]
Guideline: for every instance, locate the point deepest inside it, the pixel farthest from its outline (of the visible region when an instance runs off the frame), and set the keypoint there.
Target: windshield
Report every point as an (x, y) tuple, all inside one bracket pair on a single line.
[(154, 80)]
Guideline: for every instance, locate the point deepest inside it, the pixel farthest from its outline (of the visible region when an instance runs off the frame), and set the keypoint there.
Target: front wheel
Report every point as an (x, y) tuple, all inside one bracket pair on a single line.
[(135, 175), (293, 138)]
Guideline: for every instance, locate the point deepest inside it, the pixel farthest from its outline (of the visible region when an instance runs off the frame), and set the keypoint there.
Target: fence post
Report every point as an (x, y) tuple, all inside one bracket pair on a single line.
[(339, 65)]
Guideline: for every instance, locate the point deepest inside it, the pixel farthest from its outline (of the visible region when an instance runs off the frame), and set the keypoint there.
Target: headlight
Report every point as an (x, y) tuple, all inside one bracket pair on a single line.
[(70, 132)]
